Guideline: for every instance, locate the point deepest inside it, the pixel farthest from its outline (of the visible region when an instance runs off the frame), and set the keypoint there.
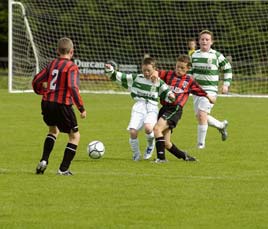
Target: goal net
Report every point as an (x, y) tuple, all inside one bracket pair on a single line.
[(126, 30)]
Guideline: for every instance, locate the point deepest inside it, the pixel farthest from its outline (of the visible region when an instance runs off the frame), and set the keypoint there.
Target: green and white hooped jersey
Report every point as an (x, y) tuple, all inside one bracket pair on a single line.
[(206, 67), (141, 89)]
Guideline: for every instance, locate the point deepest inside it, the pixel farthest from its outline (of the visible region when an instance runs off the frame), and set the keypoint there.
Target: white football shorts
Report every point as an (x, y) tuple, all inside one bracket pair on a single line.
[(142, 112), (202, 103)]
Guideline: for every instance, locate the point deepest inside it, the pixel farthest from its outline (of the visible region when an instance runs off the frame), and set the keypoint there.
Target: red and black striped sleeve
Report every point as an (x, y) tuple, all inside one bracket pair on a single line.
[(196, 88), (38, 81), (73, 84)]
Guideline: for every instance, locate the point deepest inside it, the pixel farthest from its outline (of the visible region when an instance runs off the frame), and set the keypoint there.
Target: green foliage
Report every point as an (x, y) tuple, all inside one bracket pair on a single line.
[(226, 188), (134, 20), (3, 21)]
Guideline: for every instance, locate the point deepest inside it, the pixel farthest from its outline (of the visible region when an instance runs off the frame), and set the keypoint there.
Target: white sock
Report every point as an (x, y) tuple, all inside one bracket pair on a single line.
[(134, 145), (150, 139), (214, 122), (201, 134)]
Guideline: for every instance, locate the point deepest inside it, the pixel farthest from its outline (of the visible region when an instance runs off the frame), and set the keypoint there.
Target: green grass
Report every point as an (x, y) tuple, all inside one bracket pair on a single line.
[(3, 80), (227, 188)]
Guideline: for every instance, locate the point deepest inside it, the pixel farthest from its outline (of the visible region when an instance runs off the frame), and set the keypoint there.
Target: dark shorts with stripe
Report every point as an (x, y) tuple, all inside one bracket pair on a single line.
[(172, 114), (60, 115)]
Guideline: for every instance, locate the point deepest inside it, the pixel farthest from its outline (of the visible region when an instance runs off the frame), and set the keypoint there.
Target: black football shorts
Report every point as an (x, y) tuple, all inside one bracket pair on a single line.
[(170, 113), (60, 115)]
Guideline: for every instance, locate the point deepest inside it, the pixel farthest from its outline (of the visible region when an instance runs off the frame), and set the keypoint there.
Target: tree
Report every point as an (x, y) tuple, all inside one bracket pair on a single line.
[(4, 28), (3, 21)]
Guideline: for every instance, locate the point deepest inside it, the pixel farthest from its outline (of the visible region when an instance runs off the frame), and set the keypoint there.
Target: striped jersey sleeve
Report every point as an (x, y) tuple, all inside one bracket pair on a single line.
[(38, 81)]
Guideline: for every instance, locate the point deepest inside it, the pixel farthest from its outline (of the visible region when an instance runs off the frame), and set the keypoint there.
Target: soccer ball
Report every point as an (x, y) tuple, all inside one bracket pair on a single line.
[(95, 149)]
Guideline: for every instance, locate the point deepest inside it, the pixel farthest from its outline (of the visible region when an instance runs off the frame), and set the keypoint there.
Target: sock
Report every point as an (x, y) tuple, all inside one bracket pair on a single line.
[(134, 145), (150, 139), (214, 122), (177, 152), (160, 148), (48, 146), (201, 135), (69, 154)]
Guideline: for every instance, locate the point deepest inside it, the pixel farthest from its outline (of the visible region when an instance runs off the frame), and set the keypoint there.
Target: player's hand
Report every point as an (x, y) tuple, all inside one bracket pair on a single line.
[(225, 89), (212, 99), (83, 114), (154, 77), (171, 96), (110, 66), (44, 85)]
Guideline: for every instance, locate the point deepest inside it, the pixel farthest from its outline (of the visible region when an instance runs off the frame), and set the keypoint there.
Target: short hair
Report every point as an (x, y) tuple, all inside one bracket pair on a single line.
[(65, 45), (191, 39), (149, 60), (205, 31), (185, 59)]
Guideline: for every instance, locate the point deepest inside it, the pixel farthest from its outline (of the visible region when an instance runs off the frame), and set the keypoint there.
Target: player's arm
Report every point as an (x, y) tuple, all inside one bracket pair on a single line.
[(126, 80), (227, 73), (39, 82), (83, 114), (165, 93), (74, 87), (110, 68), (197, 90)]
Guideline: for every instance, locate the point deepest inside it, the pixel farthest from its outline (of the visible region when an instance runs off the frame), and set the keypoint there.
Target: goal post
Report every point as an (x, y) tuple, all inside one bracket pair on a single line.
[(28, 34), (126, 30)]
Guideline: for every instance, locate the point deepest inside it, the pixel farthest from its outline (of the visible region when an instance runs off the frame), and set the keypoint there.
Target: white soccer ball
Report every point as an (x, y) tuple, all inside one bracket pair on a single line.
[(95, 149)]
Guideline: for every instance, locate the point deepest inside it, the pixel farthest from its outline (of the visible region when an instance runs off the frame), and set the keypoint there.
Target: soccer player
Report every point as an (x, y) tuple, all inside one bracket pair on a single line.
[(58, 83), (191, 44), (206, 66), (145, 110), (170, 113)]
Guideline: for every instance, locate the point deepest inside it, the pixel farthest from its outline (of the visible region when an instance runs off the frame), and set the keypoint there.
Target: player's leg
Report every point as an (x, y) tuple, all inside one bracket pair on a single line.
[(47, 149), (173, 149), (69, 152), (149, 123), (148, 128), (201, 129), (168, 119), (221, 126), (49, 112), (67, 123), (49, 142), (134, 144), (159, 128), (202, 108), (135, 124)]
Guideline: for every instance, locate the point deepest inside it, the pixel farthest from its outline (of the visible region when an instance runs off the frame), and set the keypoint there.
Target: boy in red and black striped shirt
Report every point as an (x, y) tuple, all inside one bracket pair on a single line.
[(169, 115), (58, 83)]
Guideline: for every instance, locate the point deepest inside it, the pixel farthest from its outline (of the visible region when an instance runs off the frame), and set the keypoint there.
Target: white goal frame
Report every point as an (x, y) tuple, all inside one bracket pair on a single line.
[(10, 37)]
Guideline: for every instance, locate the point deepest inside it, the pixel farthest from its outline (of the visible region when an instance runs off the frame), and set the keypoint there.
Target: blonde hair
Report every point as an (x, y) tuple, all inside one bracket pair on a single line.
[(65, 45), (206, 32)]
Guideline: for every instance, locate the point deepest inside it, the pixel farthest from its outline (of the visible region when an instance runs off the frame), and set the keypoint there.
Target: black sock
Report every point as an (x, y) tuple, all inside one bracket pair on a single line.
[(69, 154), (160, 148), (177, 152), (48, 146)]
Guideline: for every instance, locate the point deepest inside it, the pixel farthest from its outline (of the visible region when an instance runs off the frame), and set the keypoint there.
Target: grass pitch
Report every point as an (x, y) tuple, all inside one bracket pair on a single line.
[(227, 188)]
